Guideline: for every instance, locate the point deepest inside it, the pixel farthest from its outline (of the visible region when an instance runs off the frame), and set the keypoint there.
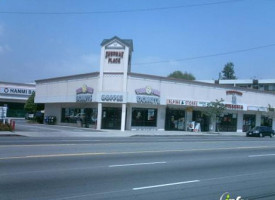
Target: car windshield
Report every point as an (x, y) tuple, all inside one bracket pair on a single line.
[(256, 128)]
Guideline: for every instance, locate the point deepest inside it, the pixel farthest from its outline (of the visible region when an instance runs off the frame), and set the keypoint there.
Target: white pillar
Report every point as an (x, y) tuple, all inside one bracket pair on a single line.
[(99, 116), (240, 122), (161, 118), (273, 123), (258, 119), (188, 118), (129, 117), (123, 117)]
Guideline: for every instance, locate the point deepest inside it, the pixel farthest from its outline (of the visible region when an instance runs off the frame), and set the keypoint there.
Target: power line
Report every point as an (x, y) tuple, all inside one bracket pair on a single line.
[(208, 56), (119, 11)]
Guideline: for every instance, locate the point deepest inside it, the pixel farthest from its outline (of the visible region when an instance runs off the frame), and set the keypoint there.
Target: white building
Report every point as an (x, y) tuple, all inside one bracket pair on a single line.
[(14, 96), (116, 98)]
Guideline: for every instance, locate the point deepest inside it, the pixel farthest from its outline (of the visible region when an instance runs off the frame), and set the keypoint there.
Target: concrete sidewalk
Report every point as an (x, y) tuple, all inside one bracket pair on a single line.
[(115, 133)]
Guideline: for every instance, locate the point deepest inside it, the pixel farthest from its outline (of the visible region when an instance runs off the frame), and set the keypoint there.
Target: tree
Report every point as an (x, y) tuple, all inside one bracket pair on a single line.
[(32, 107), (180, 75), (228, 72), (214, 109)]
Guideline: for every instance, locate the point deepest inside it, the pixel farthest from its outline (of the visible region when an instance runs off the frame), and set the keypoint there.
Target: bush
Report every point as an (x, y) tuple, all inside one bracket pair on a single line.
[(5, 127)]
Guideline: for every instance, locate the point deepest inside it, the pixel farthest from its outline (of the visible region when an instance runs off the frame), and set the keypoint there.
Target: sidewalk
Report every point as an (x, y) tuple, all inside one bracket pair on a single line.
[(115, 133)]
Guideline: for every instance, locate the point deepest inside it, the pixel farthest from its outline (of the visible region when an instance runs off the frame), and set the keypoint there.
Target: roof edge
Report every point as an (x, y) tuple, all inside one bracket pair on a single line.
[(93, 74)]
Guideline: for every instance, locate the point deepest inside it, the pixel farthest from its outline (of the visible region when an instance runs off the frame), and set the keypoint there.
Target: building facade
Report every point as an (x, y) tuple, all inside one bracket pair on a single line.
[(116, 98), (258, 84), (14, 96)]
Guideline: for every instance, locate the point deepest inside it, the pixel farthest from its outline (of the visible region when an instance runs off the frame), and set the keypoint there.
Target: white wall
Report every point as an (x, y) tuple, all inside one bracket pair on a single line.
[(62, 90)]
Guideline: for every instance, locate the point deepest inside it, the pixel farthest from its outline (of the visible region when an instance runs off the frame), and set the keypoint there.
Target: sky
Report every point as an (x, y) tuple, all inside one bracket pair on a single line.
[(42, 39)]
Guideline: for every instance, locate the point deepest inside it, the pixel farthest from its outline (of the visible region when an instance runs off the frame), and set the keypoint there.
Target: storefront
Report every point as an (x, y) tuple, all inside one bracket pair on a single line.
[(175, 119), (116, 98), (111, 118), (227, 123), (14, 96)]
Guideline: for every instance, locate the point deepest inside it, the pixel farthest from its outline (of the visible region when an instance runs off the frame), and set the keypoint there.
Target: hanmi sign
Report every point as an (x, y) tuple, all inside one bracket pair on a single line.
[(16, 91)]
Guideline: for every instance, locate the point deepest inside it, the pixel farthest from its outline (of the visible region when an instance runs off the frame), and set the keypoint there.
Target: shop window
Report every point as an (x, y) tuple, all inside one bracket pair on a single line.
[(15, 109), (175, 119), (201, 121), (266, 121), (249, 122), (84, 116), (111, 118), (227, 123), (144, 117)]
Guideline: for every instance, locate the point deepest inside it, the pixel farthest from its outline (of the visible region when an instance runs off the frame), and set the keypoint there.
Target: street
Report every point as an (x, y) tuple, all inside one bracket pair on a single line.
[(174, 167)]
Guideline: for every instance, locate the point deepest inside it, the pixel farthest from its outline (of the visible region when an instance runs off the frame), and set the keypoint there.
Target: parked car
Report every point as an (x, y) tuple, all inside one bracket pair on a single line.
[(260, 131)]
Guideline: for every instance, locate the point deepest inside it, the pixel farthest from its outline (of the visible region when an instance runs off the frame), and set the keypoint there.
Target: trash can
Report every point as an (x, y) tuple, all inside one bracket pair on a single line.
[(46, 120), (50, 120)]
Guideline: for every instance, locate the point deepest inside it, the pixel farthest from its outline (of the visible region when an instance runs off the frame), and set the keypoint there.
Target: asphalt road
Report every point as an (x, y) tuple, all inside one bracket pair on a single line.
[(201, 167)]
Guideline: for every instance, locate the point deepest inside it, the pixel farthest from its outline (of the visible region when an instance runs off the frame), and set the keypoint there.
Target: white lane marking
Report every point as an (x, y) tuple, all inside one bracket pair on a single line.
[(79, 140), (165, 185), (262, 155), (136, 164)]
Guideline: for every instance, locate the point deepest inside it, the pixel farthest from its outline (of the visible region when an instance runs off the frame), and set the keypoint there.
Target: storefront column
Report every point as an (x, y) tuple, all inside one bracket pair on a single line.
[(273, 123), (161, 118), (99, 116), (240, 122), (123, 117), (258, 119), (129, 117), (189, 116)]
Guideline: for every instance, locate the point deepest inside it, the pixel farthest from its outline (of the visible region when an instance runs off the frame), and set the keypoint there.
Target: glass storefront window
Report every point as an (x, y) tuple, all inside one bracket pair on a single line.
[(144, 117), (85, 116), (227, 123), (111, 118), (15, 109), (175, 119), (266, 121), (201, 120), (249, 122)]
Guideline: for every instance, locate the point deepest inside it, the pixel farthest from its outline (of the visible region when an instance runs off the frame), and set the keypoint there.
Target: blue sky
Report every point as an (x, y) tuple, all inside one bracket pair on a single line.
[(38, 46)]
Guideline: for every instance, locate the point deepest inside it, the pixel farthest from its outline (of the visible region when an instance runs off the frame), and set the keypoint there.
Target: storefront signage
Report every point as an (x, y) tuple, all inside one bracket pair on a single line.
[(257, 108), (234, 95), (112, 97), (234, 107), (233, 92), (3, 112), (114, 57), (147, 95), (187, 103), (148, 100), (84, 94), (16, 91)]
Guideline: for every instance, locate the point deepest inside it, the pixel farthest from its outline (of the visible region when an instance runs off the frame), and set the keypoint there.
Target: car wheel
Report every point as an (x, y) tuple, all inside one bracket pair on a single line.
[(261, 135)]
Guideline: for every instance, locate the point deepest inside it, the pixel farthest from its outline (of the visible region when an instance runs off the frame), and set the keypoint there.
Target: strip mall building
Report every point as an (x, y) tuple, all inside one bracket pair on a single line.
[(116, 98)]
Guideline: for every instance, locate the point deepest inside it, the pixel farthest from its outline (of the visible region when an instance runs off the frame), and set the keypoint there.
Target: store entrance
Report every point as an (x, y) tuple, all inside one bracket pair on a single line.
[(175, 120), (201, 120), (111, 118), (227, 123), (249, 122)]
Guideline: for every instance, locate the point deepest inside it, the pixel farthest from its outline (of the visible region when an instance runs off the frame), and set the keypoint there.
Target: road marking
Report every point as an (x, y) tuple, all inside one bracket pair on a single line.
[(134, 152), (262, 155), (165, 185), (36, 145), (52, 155), (137, 164)]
